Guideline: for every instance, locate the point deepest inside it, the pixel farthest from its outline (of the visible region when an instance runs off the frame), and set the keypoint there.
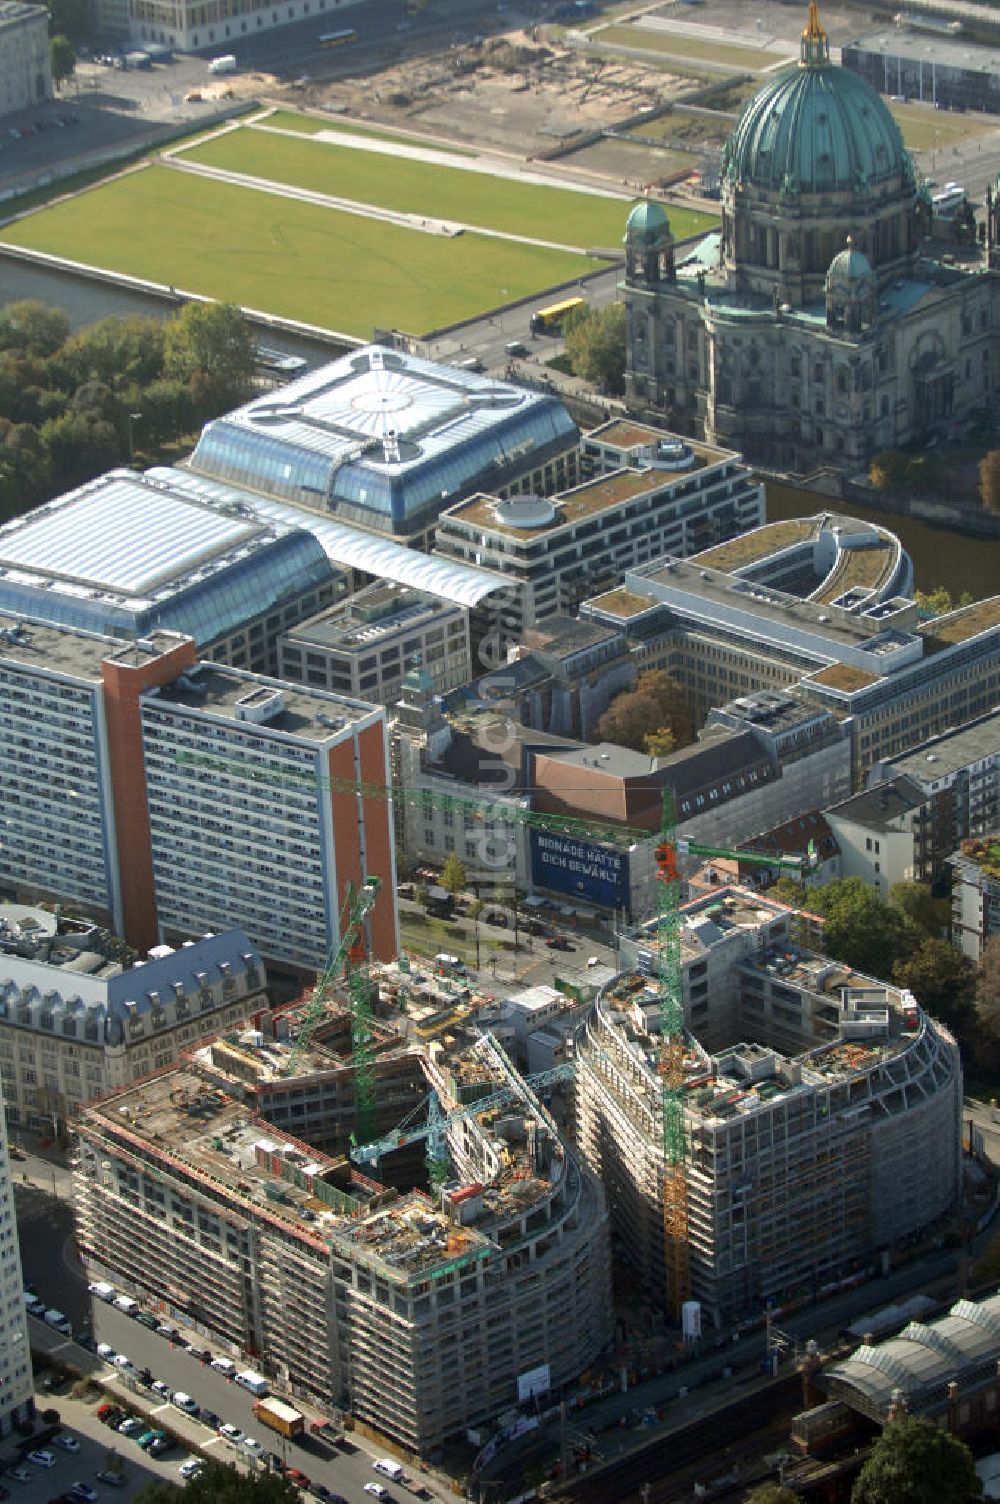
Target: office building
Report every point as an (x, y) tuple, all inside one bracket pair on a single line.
[(25, 62), (946, 72), (167, 797), (816, 327), (821, 1109), (672, 497), (383, 441), (218, 25), (127, 554), (820, 604), (365, 645), (421, 1315), (561, 677), (959, 771), (78, 1021)]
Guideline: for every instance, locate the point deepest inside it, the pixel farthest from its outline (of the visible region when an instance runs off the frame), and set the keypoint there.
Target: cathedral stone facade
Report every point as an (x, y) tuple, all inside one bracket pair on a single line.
[(813, 329)]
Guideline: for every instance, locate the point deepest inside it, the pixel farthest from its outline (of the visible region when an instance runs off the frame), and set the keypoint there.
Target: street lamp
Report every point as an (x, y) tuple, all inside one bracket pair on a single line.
[(132, 418)]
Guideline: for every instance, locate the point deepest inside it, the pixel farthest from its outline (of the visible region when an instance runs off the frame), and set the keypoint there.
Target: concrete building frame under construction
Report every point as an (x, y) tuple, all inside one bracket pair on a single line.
[(421, 1314), (822, 1109)]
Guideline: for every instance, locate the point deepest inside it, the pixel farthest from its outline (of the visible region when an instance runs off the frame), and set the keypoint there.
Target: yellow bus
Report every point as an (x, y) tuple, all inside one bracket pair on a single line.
[(550, 320)]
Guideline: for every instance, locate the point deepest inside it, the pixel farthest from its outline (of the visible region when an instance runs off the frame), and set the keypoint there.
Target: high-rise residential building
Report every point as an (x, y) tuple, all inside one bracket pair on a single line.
[(169, 797)]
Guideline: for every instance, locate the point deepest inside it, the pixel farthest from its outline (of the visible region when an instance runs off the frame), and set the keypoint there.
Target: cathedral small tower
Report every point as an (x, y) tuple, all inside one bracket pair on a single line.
[(649, 245), (851, 295)]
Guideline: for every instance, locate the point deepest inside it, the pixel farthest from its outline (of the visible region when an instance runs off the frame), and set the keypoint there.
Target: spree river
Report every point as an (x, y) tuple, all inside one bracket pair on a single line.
[(940, 557)]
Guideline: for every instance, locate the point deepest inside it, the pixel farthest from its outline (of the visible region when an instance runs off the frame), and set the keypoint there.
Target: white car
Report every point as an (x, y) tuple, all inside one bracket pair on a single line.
[(191, 1468), (42, 1458), (121, 1361), (106, 1351), (184, 1402), (231, 1433), (249, 1445), (159, 1387), (68, 1443), (378, 1489)]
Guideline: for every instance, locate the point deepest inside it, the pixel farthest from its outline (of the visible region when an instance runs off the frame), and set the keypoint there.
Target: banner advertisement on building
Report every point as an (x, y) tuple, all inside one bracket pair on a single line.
[(581, 869)]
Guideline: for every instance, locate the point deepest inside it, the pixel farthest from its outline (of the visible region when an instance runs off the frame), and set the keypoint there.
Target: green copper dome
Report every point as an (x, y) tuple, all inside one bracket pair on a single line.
[(816, 128), (647, 221), (849, 265)]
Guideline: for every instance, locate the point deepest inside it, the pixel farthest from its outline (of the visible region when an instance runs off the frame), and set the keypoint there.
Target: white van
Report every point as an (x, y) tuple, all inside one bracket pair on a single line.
[(389, 1469), (255, 1382), (127, 1304), (224, 64), (224, 1365), (102, 1291)]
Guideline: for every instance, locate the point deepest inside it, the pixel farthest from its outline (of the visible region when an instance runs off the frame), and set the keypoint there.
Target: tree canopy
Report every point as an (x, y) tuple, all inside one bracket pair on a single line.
[(68, 400), (220, 1483), (916, 1462), (650, 717), (63, 57), (594, 339), (453, 875)]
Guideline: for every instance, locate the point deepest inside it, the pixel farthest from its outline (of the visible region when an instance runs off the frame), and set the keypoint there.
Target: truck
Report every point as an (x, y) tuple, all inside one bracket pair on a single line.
[(224, 64), (280, 1417)]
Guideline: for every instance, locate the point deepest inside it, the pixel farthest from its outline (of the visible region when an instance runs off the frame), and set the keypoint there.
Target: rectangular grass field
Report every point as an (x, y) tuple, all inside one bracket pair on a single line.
[(480, 199), (311, 125), (302, 261), (679, 44)]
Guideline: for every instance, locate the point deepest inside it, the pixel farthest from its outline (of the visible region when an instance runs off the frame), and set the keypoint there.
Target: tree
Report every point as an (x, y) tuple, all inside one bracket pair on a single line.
[(926, 915), (63, 56), (989, 480), (220, 1483), (34, 327), (916, 1462), (940, 601), (861, 930), (887, 471), (660, 743), (942, 980), (214, 341), (123, 352), (656, 705), (772, 1493), (594, 340), (453, 875)]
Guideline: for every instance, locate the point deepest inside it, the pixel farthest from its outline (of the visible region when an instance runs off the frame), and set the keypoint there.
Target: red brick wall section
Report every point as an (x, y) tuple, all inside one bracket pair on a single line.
[(378, 841), (124, 683), (344, 816)]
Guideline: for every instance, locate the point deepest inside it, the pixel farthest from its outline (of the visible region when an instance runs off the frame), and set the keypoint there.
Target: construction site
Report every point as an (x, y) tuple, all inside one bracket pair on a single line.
[(414, 1281), (820, 1111)]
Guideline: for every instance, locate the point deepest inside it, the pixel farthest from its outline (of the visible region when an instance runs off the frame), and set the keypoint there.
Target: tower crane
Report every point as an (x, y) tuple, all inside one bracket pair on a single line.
[(351, 955)]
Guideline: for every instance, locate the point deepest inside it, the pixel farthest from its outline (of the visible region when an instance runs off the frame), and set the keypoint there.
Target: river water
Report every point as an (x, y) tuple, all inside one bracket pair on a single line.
[(940, 556)]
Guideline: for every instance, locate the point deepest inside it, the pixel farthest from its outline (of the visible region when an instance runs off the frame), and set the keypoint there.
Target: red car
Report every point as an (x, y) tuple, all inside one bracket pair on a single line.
[(299, 1479), (556, 942)]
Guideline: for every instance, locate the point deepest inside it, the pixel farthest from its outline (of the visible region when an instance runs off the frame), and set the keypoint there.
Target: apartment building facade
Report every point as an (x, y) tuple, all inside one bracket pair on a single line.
[(180, 797), (975, 895)]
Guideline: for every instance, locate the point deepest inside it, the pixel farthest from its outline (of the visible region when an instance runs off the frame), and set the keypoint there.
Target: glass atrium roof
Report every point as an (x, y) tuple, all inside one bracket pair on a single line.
[(127, 553)]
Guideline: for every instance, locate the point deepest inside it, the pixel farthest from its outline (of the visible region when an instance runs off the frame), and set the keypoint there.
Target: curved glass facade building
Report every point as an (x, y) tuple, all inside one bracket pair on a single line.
[(127, 554), (386, 440)]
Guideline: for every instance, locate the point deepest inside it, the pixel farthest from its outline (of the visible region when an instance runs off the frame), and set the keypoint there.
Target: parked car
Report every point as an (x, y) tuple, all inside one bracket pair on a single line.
[(158, 1386), (298, 1478), (191, 1467), (146, 1320), (185, 1402), (20, 1473), (209, 1417), (132, 1426), (113, 1480), (161, 1445), (168, 1331), (231, 1433), (106, 1351), (84, 1493), (122, 1360), (559, 942), (42, 1458), (201, 1353), (67, 1442)]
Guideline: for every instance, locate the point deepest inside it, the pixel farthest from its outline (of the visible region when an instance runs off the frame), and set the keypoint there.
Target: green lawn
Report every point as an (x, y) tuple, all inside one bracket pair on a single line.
[(927, 129), (302, 261), (309, 125), (473, 198), (677, 44)]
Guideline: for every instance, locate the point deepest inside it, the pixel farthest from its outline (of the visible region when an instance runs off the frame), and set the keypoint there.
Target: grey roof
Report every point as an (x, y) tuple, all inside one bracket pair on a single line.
[(879, 807), (349, 546), (942, 756), (964, 1345), (930, 48)]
